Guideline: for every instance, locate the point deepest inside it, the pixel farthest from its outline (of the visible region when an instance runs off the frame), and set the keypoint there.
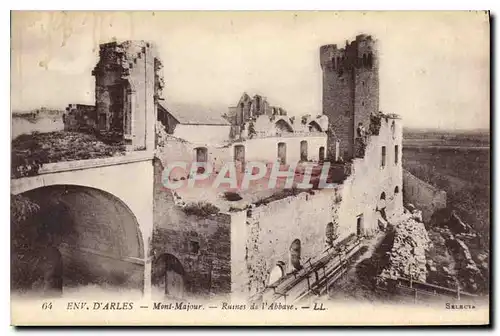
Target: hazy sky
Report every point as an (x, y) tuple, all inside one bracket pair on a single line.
[(434, 66)]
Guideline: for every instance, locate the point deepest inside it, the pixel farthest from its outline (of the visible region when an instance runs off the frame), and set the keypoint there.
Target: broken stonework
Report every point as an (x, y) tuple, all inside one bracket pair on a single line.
[(407, 256)]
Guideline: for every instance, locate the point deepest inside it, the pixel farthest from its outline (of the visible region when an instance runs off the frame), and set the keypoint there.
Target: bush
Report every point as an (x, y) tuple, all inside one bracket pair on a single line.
[(201, 209), (232, 196)]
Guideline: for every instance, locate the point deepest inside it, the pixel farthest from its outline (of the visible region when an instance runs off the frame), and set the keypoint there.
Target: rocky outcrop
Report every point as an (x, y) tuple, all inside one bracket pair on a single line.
[(407, 256)]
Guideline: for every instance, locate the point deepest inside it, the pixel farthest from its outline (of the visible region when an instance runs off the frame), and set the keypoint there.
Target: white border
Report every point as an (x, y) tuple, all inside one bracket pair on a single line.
[(193, 5)]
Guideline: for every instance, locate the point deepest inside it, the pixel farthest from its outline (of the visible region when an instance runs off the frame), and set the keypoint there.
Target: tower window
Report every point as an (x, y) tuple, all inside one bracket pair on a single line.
[(382, 163), (194, 247), (396, 154), (370, 60)]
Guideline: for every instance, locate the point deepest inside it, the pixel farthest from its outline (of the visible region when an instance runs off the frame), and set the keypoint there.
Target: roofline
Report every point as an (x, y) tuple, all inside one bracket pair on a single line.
[(190, 123)]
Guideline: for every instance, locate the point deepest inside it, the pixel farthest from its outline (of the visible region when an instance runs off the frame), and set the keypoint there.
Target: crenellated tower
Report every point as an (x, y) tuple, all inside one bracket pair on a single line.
[(350, 91)]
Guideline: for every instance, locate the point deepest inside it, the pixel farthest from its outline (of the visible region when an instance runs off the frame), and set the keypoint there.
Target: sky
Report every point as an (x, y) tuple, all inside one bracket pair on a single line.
[(434, 66)]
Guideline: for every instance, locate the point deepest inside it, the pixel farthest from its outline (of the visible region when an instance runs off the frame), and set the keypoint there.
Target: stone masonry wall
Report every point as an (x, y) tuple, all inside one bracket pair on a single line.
[(423, 195), (207, 271), (261, 237), (369, 179)]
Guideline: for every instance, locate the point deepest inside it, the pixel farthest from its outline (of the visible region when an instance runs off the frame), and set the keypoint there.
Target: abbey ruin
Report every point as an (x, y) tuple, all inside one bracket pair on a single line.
[(226, 242)]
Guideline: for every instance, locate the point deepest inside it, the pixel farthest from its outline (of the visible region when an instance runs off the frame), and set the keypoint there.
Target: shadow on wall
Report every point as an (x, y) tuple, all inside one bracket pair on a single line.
[(422, 195), (80, 236)]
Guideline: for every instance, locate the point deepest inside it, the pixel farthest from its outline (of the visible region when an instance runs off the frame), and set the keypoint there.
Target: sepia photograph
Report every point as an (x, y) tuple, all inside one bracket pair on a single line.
[(262, 168)]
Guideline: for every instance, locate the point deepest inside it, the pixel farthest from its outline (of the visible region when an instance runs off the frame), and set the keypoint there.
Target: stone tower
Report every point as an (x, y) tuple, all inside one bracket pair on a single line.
[(350, 91), (128, 85)]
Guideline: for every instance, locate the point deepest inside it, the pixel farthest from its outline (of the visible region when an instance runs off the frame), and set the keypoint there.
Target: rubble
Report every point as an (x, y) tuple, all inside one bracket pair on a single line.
[(407, 256)]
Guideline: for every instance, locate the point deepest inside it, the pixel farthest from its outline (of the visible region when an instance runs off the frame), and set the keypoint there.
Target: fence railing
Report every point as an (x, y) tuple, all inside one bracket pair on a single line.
[(420, 290)]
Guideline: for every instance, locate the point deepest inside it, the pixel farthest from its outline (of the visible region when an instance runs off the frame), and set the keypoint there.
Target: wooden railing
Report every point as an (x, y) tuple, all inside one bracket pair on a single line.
[(420, 290), (314, 278)]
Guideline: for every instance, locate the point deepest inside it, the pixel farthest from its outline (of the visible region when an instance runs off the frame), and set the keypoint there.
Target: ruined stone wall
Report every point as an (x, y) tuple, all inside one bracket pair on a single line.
[(422, 195), (363, 188), (207, 271), (261, 237), (127, 85)]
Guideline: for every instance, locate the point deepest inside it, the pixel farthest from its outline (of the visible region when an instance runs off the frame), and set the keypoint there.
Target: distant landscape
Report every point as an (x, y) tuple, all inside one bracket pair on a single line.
[(41, 120), (459, 163)]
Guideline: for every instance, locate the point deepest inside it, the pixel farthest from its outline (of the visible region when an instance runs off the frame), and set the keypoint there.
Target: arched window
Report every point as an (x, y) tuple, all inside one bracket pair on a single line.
[(365, 63), (396, 190), (393, 129), (382, 196)]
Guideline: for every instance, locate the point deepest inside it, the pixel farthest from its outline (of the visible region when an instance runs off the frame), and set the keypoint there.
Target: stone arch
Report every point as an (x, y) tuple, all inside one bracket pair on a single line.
[(94, 233), (282, 126), (315, 127), (295, 254), (382, 203), (168, 276)]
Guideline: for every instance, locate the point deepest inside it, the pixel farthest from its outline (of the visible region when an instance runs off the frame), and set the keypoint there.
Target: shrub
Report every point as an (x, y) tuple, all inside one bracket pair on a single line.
[(201, 209), (232, 196)]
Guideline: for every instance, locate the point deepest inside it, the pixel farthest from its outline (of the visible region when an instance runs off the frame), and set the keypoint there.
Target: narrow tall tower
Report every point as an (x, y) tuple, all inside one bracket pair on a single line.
[(350, 90), (128, 84)]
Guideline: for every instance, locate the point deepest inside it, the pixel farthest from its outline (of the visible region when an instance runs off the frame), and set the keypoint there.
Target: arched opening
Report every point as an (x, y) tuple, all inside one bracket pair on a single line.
[(283, 127), (382, 196), (168, 277), (295, 254), (282, 152), (393, 129), (314, 127), (396, 190), (303, 150), (321, 154), (276, 273), (80, 237), (334, 64), (365, 63)]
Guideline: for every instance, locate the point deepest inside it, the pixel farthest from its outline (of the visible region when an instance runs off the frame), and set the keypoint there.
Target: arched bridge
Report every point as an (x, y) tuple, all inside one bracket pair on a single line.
[(100, 214)]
